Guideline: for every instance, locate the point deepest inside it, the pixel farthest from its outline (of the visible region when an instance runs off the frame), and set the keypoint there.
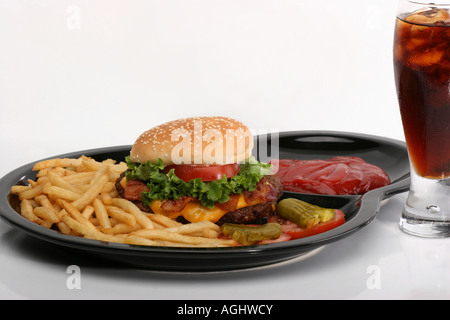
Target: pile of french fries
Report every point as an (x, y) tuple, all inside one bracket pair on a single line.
[(78, 197)]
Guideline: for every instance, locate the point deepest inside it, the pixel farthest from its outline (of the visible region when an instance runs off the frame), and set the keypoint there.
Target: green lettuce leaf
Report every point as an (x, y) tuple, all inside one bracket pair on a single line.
[(168, 186)]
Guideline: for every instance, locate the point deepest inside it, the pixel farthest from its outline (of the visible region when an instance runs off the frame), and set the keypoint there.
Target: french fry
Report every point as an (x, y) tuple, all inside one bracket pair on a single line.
[(158, 234), (94, 221), (119, 228), (109, 186), (194, 227), (46, 214), (209, 233), (32, 192), (101, 214), (136, 240), (130, 207), (90, 164), (64, 162), (121, 215), (32, 183), (165, 243), (86, 231), (34, 203), (165, 221), (91, 193), (26, 210), (106, 198), (78, 197), (114, 194), (103, 170), (57, 181), (74, 213), (56, 206), (57, 192), (109, 161), (46, 224), (88, 211), (79, 178), (45, 202), (113, 176), (42, 180), (62, 226), (18, 189), (60, 171)]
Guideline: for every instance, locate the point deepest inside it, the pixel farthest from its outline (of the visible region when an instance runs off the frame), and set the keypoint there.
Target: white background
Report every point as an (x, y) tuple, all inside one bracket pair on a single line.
[(81, 74), (77, 74)]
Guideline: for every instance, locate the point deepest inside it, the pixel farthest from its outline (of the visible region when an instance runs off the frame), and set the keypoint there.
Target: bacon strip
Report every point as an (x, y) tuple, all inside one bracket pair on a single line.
[(134, 189), (230, 205), (176, 205), (264, 192)]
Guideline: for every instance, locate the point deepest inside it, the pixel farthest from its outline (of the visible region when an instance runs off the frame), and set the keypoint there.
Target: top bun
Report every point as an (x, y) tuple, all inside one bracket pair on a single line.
[(198, 140)]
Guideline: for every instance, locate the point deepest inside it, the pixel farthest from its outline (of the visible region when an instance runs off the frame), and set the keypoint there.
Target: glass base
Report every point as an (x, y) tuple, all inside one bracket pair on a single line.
[(425, 228), (427, 209)]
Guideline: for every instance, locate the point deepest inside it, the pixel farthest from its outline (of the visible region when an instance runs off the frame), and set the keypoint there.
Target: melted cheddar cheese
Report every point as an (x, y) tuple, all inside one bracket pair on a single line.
[(195, 212)]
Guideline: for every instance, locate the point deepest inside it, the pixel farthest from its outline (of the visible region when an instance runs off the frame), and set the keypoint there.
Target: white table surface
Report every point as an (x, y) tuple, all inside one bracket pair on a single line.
[(83, 75)]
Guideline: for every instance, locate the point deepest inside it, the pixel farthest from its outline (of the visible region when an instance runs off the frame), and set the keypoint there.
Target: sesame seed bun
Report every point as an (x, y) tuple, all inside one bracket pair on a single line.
[(198, 140)]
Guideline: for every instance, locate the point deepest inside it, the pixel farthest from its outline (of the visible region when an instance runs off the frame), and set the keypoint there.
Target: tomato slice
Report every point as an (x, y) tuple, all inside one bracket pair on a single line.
[(297, 232), (283, 237), (187, 172)]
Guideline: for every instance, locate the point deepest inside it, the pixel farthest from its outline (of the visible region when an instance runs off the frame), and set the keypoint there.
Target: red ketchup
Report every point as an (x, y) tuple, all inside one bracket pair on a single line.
[(335, 176)]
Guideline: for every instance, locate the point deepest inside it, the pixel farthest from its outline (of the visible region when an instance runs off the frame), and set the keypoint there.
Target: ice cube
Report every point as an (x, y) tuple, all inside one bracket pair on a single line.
[(428, 16), (420, 36), (399, 51), (426, 59)]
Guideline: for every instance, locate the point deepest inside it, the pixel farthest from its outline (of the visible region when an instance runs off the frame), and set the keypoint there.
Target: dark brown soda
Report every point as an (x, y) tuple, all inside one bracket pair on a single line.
[(422, 75)]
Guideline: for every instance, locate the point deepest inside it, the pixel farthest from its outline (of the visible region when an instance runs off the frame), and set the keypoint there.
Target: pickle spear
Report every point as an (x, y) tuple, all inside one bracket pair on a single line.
[(304, 214), (248, 235)]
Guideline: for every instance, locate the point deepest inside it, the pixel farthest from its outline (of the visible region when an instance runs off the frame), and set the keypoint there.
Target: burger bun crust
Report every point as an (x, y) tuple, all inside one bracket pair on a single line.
[(196, 140)]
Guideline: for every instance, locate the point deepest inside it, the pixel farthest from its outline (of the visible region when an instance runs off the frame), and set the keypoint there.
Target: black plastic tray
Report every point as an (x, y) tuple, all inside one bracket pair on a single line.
[(389, 154)]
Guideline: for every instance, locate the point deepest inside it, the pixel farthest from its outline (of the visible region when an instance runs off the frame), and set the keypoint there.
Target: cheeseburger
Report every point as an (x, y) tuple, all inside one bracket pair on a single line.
[(198, 169)]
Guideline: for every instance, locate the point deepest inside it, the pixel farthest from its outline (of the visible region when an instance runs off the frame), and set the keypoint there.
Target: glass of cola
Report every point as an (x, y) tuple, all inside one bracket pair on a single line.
[(422, 78)]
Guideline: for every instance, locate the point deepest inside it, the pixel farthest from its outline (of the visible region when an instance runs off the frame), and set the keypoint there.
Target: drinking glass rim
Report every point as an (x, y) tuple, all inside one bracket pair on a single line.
[(429, 3)]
